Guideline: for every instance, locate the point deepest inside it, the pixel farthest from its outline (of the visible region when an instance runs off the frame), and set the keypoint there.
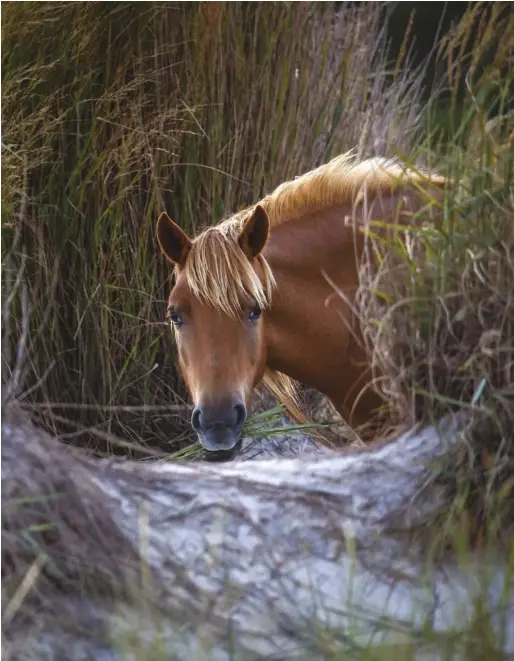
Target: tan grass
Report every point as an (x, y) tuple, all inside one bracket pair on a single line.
[(437, 302)]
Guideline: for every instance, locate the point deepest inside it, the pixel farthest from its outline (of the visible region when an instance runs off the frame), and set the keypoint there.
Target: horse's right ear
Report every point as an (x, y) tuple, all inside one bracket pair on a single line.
[(174, 242)]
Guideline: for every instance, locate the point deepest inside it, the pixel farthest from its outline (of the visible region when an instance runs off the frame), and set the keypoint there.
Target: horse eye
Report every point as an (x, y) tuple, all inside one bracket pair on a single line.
[(255, 313), (175, 318)]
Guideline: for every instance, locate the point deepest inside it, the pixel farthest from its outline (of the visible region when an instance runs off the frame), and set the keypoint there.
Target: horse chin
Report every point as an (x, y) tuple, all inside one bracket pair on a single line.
[(222, 454)]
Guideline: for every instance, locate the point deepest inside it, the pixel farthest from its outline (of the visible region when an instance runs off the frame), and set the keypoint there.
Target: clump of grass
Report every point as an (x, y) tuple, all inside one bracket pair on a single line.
[(438, 299), (259, 425), (114, 112)]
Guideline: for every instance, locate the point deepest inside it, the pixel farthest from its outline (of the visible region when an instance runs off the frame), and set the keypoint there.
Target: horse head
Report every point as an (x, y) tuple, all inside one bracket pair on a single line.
[(216, 309)]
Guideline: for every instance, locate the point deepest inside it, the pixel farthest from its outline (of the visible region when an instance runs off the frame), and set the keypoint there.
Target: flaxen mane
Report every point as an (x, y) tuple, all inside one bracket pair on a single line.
[(216, 269), (219, 274)]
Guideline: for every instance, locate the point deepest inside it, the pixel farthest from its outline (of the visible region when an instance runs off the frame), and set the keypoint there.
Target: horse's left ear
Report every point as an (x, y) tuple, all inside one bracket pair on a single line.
[(255, 232)]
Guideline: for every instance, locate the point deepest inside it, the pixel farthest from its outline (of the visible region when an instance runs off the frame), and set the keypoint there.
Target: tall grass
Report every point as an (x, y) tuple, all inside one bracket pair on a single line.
[(115, 111), (438, 304)]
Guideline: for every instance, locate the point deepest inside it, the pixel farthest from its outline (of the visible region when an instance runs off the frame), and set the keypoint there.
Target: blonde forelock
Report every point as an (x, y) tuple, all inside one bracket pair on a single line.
[(220, 274)]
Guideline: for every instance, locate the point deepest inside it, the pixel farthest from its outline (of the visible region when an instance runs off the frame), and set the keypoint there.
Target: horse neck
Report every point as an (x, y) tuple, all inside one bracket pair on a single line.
[(310, 243), (304, 251), (311, 333)]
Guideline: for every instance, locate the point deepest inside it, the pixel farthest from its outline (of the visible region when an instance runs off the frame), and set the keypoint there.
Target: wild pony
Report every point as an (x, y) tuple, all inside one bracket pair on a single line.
[(254, 295)]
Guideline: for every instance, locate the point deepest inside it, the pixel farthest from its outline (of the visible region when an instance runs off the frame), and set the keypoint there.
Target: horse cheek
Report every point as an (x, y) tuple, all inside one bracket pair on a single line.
[(260, 355)]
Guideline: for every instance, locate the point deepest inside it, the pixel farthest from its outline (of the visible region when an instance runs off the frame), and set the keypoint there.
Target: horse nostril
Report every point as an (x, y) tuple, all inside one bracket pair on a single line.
[(240, 411), (195, 419), (208, 418)]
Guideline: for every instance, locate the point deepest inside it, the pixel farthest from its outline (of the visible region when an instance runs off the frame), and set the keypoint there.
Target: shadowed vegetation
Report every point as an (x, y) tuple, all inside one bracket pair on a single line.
[(437, 306)]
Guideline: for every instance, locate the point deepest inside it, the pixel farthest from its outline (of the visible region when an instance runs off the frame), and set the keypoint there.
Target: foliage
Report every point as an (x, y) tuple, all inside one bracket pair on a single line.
[(437, 304)]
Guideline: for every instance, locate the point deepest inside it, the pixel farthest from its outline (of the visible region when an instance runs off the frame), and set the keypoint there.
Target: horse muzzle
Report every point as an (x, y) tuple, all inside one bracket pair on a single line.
[(219, 426)]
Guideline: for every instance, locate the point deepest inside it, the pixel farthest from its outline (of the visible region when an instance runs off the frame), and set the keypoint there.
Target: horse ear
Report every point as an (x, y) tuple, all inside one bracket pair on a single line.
[(255, 232), (173, 241)]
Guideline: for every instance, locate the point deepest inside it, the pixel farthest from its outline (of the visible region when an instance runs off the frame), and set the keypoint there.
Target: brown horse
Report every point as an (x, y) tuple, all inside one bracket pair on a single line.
[(254, 296)]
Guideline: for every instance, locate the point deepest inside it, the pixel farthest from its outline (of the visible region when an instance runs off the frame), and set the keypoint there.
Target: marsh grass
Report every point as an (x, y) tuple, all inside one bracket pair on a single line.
[(266, 423), (437, 301), (115, 111)]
